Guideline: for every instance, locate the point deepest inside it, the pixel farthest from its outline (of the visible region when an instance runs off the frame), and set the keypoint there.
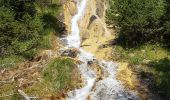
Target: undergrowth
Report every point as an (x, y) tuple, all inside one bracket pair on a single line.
[(151, 61)]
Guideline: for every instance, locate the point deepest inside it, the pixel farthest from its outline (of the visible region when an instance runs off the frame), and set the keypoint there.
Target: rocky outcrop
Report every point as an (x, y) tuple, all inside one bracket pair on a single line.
[(71, 52), (100, 8)]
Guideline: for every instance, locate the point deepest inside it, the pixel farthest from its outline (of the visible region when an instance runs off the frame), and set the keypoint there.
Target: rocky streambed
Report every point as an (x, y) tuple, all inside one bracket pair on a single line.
[(88, 34)]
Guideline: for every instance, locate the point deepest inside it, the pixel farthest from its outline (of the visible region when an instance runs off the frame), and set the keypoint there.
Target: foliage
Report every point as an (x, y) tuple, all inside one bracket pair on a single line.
[(19, 30), (138, 20), (23, 27)]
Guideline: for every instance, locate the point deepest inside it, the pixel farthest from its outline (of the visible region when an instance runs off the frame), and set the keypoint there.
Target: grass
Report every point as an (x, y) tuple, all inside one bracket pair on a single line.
[(143, 54), (9, 92), (152, 59), (10, 61), (45, 42), (56, 77), (58, 73), (162, 76)]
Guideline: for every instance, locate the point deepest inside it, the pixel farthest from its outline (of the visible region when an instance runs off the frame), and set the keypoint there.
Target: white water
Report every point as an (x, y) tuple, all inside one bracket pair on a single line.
[(74, 41), (107, 89), (74, 38)]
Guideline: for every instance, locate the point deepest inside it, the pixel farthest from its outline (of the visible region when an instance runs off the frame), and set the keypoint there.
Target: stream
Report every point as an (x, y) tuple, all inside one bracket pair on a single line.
[(107, 89)]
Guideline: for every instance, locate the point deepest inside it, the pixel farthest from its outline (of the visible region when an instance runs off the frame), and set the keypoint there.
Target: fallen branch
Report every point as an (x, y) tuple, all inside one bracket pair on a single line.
[(26, 97)]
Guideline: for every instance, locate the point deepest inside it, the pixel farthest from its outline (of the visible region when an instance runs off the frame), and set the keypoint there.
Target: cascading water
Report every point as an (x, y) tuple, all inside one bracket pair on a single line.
[(107, 89), (74, 38), (74, 41)]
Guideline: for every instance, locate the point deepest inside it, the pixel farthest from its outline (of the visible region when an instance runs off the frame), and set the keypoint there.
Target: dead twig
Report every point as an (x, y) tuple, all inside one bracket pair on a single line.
[(26, 97)]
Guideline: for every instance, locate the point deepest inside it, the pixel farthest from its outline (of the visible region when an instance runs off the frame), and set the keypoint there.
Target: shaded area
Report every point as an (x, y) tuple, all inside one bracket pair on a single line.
[(54, 23), (92, 18), (162, 77)]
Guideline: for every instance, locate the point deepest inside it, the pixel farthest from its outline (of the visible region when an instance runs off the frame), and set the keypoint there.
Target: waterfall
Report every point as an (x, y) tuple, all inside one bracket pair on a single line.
[(74, 41), (74, 38), (107, 89)]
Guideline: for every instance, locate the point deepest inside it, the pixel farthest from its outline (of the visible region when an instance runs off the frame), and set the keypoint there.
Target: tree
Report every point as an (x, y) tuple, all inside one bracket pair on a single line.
[(20, 27), (137, 20)]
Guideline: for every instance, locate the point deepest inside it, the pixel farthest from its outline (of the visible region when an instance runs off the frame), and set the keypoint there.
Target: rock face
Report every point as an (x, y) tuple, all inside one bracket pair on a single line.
[(94, 31), (69, 10), (100, 8)]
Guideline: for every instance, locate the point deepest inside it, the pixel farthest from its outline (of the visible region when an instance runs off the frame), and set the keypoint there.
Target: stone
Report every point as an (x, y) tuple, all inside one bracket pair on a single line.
[(89, 62), (72, 52)]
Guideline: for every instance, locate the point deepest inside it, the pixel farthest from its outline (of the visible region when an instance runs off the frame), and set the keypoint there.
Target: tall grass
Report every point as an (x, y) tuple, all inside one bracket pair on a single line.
[(58, 73)]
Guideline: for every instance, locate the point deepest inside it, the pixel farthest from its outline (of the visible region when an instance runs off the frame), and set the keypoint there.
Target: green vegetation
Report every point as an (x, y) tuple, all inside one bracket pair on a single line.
[(7, 94), (57, 77), (10, 61), (143, 38), (142, 54), (140, 21), (58, 73), (24, 28), (151, 62)]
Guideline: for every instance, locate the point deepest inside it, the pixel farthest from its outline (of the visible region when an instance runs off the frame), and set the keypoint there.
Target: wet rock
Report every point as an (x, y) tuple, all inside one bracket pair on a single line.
[(72, 52), (124, 95), (89, 62), (92, 61), (63, 41)]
